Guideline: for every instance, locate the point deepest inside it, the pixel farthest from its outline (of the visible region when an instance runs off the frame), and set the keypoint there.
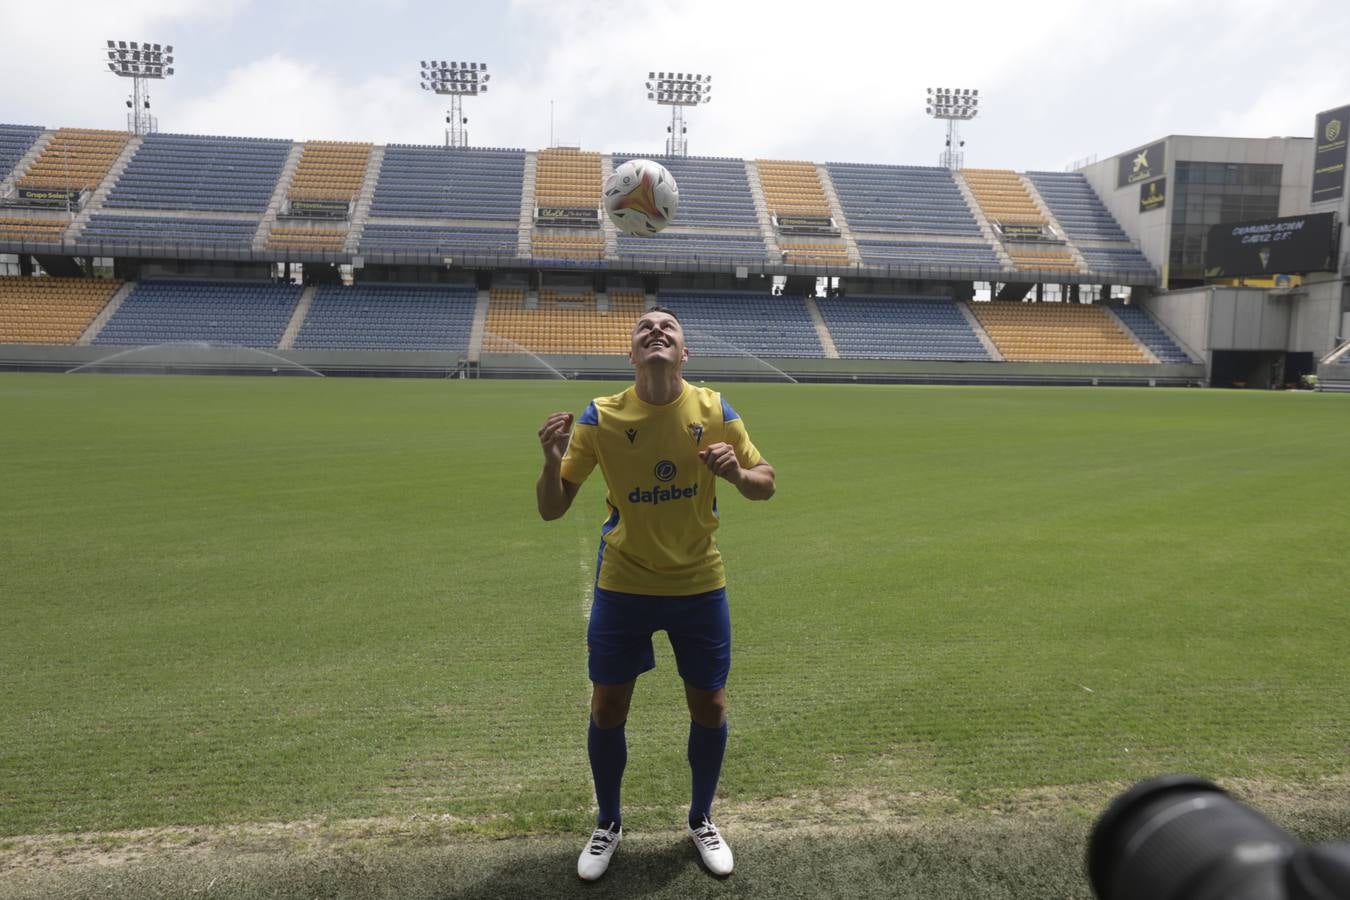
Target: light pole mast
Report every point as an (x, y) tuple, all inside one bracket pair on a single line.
[(954, 105), (678, 90), (139, 61), (456, 80)]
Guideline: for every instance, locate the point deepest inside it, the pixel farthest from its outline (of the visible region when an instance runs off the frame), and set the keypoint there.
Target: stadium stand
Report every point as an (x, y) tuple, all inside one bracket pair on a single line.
[(714, 191), (705, 246), (165, 230), (33, 227), (447, 239), (1056, 332), (15, 141), (900, 328), (815, 253), (192, 172), (1043, 257), (1115, 259), (933, 253), (299, 237), (388, 317), (901, 200), (1076, 206), (329, 170), (573, 244), (792, 187), (248, 314), (75, 159), (50, 310), (450, 183), (564, 322), (1150, 333), (732, 324), (1002, 196), (567, 177)]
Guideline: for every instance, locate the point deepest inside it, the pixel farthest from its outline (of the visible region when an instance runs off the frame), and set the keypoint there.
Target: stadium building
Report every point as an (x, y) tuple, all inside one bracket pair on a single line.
[(1189, 260)]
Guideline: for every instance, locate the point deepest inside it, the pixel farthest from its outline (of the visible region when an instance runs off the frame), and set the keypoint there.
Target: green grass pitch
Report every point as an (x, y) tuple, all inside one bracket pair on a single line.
[(232, 600)]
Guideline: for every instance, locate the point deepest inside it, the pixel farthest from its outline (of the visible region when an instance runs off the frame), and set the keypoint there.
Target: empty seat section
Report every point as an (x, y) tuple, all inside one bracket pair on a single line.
[(438, 239), (235, 313), (142, 231), (1002, 196), (901, 199), (1056, 332), (745, 324), (569, 178), (388, 317), (792, 188), (900, 328), (1116, 259), (450, 183), (1076, 206), (701, 246), (33, 227), (714, 191), (196, 172), (329, 170), (566, 321), (1151, 333), (15, 141), (1030, 256), (75, 159), (50, 310), (298, 237), (927, 253), (815, 253), (568, 244)]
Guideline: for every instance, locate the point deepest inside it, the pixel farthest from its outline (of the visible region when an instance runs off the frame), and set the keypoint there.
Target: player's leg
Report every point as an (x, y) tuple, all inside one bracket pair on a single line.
[(702, 643), (620, 648)]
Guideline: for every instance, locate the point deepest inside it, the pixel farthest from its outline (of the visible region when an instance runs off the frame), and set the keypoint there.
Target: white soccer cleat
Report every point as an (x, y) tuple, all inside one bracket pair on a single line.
[(595, 856), (715, 852)]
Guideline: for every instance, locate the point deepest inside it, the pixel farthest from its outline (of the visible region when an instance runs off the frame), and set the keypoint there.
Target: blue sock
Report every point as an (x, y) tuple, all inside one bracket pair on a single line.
[(706, 749), (608, 749)]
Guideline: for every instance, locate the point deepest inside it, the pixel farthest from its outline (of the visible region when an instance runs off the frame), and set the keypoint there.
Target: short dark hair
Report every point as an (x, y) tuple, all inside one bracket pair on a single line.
[(662, 309)]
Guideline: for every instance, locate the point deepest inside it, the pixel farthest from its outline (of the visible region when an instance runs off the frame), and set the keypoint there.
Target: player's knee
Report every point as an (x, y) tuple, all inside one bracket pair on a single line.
[(708, 708), (609, 709)]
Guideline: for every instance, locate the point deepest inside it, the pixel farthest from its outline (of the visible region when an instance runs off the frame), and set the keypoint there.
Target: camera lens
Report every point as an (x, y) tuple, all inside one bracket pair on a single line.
[(1182, 838)]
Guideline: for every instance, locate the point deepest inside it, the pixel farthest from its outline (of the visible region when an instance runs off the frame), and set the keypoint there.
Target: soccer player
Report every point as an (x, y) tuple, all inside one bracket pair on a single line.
[(661, 446)]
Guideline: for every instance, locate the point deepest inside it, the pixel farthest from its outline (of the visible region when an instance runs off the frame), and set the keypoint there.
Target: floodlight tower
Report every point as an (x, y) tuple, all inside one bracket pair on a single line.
[(456, 80), (954, 105), (678, 90), (140, 61)]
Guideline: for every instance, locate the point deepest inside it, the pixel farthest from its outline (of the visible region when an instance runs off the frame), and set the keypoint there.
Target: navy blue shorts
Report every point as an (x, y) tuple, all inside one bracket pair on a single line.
[(619, 636)]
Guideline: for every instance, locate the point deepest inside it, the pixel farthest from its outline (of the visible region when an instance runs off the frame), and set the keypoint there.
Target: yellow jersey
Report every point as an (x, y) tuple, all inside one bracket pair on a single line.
[(662, 499)]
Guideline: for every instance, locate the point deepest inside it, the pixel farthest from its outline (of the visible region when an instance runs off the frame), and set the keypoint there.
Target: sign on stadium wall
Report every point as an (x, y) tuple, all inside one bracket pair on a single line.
[(327, 209), (568, 216), (55, 198), (1021, 232), (1333, 127), (1141, 165), (1292, 244), (819, 225), (1153, 195)]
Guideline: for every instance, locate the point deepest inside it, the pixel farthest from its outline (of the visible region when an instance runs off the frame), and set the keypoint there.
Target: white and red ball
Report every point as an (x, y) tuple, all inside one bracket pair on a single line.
[(641, 197)]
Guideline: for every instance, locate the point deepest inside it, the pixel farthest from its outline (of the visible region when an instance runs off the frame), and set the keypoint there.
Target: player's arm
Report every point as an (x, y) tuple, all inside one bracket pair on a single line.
[(754, 482), (553, 492)]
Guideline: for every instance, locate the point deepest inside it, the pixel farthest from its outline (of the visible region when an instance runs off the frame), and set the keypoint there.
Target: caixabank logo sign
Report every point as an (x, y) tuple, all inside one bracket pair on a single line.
[(664, 473)]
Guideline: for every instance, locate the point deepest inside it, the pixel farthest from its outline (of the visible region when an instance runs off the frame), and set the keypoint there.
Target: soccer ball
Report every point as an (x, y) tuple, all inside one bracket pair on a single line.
[(641, 197)]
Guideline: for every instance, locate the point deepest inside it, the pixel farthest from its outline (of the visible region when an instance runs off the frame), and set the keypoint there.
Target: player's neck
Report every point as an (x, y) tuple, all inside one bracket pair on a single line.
[(658, 385)]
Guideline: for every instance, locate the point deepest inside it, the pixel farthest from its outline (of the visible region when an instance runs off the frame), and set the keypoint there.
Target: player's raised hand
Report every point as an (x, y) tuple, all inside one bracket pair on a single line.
[(721, 459), (553, 436)]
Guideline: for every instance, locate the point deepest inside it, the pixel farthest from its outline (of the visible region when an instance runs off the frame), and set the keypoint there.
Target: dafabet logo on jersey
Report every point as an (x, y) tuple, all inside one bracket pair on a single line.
[(665, 472)]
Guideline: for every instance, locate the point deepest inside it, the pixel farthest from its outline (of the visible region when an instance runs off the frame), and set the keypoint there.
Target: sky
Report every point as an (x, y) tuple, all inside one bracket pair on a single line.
[(839, 80)]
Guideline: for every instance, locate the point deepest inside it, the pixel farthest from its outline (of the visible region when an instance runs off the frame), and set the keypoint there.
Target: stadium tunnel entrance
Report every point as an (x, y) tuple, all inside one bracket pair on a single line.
[(1259, 369)]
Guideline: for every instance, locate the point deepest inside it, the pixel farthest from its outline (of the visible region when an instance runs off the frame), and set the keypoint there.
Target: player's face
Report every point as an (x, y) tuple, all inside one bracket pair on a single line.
[(658, 338)]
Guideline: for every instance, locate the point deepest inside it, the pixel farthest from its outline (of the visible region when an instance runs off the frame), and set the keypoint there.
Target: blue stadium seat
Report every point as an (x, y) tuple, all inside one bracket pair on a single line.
[(901, 199), (15, 141), (1141, 323), (388, 317), (736, 324), (194, 172), (240, 313), (143, 231), (925, 328), (449, 183)]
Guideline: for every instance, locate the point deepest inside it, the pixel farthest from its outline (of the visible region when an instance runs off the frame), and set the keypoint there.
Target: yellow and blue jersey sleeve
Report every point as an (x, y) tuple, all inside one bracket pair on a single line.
[(580, 459), (734, 433)]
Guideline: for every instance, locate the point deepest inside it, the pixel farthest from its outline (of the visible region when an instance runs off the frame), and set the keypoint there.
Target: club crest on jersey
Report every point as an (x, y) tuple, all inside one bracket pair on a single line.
[(697, 431), (632, 434)]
